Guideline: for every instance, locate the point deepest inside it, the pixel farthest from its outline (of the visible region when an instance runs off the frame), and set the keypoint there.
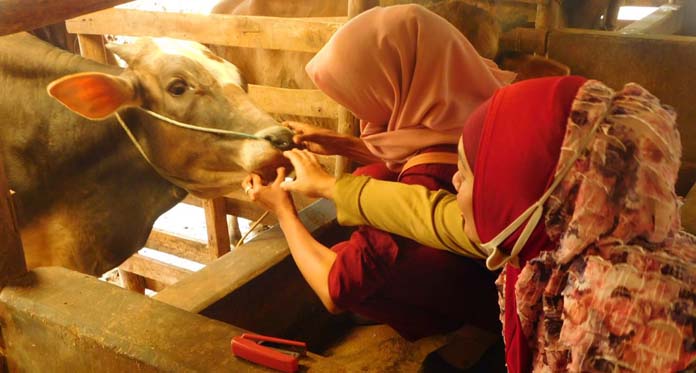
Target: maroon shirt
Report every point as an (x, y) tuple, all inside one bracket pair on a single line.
[(417, 290)]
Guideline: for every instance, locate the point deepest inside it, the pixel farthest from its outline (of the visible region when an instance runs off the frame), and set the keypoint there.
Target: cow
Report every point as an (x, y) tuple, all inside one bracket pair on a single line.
[(86, 198)]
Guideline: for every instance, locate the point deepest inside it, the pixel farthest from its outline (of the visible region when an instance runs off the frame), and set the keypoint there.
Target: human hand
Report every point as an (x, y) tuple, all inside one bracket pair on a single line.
[(271, 196), (311, 179), (315, 139)]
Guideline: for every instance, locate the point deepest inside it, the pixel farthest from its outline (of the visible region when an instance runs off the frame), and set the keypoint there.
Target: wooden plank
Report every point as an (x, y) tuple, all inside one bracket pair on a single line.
[(25, 15), (92, 47), (131, 281), (69, 322), (183, 247), (302, 102), (526, 40), (348, 125), (221, 277), (12, 261), (527, 1), (356, 7), (216, 225), (667, 19), (303, 35), (154, 269)]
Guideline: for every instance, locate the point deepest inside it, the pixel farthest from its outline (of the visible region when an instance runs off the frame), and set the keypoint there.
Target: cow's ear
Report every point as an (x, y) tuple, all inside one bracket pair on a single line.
[(93, 95)]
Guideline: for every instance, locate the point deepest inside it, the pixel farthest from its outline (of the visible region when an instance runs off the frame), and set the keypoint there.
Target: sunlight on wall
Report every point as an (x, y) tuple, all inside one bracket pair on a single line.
[(634, 13)]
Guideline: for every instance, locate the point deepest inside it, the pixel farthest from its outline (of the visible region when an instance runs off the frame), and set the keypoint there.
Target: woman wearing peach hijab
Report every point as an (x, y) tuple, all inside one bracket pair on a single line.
[(412, 79)]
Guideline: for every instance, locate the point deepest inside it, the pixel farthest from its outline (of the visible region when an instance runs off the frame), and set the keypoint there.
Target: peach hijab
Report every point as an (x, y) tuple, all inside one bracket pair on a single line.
[(409, 76)]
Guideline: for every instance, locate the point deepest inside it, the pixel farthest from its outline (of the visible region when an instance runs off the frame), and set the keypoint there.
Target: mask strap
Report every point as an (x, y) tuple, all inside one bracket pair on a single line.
[(497, 258)]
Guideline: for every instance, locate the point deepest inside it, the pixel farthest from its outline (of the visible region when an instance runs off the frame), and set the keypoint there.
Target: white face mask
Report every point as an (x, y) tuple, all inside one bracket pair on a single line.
[(496, 258)]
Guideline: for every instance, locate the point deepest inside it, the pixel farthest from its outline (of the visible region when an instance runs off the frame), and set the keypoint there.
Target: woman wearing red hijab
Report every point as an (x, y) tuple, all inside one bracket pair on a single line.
[(606, 280), (413, 80)]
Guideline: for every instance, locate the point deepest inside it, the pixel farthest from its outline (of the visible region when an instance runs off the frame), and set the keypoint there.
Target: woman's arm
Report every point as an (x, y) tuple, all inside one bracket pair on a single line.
[(312, 258), (327, 142), (431, 218)]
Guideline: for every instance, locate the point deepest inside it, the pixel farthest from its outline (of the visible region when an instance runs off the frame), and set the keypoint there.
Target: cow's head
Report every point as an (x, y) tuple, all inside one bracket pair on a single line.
[(184, 81)]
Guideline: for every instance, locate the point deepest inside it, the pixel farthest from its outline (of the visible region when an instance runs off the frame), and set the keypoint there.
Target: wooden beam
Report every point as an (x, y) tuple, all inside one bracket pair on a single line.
[(301, 102), (232, 271), (92, 47), (25, 15), (180, 246), (666, 20), (131, 281), (12, 263), (347, 125), (70, 322), (525, 40), (356, 7), (216, 225), (154, 269), (293, 34)]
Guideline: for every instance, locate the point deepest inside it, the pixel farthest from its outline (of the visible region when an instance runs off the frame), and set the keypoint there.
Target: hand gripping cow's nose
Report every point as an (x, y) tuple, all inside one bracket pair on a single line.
[(280, 138)]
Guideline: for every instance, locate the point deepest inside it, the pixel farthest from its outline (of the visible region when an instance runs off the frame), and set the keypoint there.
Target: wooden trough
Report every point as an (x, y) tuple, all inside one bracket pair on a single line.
[(52, 319)]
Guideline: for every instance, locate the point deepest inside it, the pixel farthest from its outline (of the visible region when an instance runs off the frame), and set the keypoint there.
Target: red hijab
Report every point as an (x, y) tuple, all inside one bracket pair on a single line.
[(514, 162)]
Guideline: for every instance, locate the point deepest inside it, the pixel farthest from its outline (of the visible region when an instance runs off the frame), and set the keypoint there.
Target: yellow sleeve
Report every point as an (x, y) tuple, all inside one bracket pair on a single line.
[(412, 211)]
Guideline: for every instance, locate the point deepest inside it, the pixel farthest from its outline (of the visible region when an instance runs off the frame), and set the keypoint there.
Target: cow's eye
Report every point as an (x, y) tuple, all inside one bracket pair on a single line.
[(177, 87)]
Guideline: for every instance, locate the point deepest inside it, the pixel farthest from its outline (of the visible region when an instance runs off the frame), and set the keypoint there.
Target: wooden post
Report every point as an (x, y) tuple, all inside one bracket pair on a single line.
[(612, 14), (356, 7), (132, 281), (216, 224), (92, 47), (547, 15), (347, 123), (12, 261), (233, 229), (21, 15)]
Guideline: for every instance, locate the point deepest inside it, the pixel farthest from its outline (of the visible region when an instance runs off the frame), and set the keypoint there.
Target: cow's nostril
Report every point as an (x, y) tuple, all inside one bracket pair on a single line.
[(279, 143)]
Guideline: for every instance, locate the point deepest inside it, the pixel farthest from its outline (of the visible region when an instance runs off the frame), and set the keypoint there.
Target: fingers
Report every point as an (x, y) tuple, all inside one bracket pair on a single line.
[(300, 156), (251, 185), (280, 177)]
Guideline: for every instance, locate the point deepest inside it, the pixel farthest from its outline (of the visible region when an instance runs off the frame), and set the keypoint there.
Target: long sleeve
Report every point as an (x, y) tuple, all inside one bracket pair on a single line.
[(431, 218)]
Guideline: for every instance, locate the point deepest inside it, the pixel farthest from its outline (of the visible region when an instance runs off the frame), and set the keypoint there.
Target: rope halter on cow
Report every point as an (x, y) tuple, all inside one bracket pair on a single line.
[(280, 145)]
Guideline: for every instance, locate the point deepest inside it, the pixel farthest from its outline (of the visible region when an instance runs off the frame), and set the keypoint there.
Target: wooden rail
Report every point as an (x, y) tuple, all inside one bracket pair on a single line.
[(291, 34), (22, 15)]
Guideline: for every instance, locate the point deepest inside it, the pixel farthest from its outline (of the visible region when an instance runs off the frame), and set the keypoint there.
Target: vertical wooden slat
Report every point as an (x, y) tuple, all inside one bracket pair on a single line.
[(234, 231), (12, 261), (216, 224), (542, 16), (132, 281), (347, 123), (92, 47), (356, 7), (611, 15)]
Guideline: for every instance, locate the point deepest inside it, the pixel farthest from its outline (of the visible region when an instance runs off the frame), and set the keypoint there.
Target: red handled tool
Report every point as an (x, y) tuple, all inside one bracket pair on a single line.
[(276, 353)]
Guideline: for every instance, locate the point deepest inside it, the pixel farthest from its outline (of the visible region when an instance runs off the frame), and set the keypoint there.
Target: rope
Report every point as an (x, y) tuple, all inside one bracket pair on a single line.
[(251, 228)]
